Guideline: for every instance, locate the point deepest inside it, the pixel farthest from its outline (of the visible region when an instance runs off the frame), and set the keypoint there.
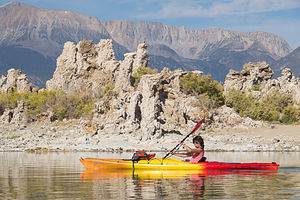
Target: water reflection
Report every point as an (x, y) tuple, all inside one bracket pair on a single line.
[(170, 183), (141, 184)]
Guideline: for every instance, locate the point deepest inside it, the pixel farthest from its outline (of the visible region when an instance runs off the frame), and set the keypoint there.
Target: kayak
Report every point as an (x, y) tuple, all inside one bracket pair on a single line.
[(171, 164)]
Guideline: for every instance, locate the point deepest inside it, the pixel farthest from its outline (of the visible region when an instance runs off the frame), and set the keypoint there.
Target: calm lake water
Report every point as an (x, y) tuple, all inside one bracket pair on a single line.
[(62, 176)]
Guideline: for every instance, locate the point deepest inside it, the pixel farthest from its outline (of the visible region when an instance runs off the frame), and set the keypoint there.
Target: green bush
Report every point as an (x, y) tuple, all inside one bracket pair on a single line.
[(256, 88), (108, 88), (238, 101), (140, 72), (195, 84), (290, 114), (72, 105), (8, 100), (268, 108), (262, 111), (279, 100)]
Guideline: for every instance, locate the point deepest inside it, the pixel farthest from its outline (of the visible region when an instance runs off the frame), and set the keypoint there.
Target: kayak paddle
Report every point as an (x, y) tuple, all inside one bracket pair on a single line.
[(196, 127)]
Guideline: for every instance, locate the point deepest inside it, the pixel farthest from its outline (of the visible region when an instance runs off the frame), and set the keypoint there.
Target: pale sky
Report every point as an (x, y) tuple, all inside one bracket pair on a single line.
[(280, 17)]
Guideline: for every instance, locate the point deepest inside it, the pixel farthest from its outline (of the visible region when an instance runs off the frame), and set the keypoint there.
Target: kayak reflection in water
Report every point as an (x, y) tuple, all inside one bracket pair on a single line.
[(197, 154), (197, 184)]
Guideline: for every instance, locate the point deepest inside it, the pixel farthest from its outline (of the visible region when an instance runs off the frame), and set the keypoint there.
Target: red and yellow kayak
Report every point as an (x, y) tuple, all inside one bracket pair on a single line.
[(171, 164)]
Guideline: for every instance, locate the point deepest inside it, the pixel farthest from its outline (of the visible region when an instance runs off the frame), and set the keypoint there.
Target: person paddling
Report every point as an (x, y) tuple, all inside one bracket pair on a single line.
[(197, 154)]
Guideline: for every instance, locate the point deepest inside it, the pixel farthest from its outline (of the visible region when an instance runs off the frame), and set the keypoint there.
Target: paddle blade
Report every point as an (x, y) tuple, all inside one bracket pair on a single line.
[(196, 127)]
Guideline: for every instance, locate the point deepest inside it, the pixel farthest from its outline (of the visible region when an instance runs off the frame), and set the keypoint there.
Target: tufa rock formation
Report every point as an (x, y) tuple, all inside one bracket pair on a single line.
[(251, 75), (15, 80), (255, 78), (17, 116), (92, 67), (154, 107), (289, 84), (84, 65)]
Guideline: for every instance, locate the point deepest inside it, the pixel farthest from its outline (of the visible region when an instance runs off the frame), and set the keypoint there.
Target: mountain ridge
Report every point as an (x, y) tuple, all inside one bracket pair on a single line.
[(213, 51), (191, 38)]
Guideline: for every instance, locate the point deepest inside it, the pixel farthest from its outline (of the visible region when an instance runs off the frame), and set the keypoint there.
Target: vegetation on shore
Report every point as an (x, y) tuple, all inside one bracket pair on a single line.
[(275, 107), (62, 105), (208, 91)]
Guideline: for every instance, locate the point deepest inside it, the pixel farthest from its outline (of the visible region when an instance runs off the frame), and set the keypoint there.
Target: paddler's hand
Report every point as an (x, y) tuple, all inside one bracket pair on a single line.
[(182, 143)]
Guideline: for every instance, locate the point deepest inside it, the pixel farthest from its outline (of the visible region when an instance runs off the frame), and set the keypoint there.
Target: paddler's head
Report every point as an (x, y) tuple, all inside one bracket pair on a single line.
[(198, 142)]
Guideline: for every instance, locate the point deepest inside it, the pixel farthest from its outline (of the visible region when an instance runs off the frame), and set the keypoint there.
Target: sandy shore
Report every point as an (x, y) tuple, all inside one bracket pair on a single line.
[(269, 138), (268, 132), (72, 136)]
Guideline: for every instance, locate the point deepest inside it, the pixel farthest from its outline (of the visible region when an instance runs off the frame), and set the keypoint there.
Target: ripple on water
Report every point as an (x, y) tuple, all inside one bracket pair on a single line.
[(289, 169)]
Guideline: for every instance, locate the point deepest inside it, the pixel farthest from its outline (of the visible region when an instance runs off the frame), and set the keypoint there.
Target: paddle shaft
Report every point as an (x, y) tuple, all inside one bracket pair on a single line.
[(196, 127)]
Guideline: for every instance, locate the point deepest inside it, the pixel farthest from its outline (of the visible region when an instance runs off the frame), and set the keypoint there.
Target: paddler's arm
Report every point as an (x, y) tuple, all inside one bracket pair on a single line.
[(183, 155), (190, 150)]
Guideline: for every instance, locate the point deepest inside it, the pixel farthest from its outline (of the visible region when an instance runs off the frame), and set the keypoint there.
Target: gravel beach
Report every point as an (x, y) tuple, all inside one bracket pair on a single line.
[(74, 136)]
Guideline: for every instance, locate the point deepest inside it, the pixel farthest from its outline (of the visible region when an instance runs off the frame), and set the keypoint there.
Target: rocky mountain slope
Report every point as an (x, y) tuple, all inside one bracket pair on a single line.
[(32, 38), (292, 61)]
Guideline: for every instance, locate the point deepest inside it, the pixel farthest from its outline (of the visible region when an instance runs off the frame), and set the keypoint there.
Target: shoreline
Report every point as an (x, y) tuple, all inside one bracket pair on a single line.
[(73, 136)]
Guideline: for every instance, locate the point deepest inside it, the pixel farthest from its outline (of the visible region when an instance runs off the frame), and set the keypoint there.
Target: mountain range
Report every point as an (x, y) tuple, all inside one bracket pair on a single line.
[(32, 38)]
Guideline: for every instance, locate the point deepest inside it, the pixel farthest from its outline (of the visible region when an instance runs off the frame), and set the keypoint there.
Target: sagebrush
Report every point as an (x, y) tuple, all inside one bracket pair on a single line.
[(209, 92), (275, 106), (70, 106), (140, 72)]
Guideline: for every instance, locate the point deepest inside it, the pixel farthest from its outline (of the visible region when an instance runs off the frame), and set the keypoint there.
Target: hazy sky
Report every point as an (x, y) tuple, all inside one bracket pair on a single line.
[(281, 17)]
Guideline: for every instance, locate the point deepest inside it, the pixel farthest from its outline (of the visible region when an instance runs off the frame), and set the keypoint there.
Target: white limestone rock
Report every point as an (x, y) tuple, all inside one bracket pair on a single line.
[(15, 80)]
